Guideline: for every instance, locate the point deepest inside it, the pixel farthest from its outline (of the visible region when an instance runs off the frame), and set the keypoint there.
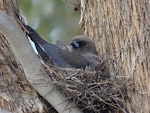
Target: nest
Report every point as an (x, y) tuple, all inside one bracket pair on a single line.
[(93, 91)]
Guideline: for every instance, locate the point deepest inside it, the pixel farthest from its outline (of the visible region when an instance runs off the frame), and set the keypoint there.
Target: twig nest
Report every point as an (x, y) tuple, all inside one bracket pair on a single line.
[(93, 91)]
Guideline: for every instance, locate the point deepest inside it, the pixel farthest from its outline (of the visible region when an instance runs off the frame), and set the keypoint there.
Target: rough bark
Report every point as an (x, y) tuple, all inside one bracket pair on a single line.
[(121, 30), (21, 70), (16, 93)]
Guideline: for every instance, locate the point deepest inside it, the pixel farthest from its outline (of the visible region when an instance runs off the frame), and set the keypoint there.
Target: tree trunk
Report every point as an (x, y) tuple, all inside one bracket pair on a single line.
[(17, 95), (121, 30)]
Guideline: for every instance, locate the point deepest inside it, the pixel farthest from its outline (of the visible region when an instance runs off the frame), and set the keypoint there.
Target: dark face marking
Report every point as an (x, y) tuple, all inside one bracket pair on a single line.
[(83, 44), (78, 44)]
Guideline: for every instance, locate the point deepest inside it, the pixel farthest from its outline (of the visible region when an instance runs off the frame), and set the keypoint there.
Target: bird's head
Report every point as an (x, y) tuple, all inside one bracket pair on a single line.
[(83, 44)]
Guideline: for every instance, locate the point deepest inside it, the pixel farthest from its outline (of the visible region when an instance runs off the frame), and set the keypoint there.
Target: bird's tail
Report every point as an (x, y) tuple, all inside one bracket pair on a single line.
[(35, 37), (39, 42)]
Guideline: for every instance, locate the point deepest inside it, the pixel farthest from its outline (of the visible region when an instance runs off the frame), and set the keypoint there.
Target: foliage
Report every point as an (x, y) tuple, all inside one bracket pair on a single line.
[(53, 19)]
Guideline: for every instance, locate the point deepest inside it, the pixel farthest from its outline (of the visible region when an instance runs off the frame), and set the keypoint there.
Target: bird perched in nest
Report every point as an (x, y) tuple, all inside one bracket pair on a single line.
[(80, 54)]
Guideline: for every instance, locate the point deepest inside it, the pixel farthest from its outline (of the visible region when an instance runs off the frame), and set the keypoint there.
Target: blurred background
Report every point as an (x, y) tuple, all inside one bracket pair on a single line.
[(52, 19)]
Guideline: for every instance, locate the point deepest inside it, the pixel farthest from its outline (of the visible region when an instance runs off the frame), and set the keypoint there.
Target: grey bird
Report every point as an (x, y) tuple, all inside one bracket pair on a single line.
[(80, 54)]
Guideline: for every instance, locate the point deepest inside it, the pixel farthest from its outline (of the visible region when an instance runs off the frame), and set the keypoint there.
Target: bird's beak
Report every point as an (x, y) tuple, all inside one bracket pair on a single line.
[(75, 44)]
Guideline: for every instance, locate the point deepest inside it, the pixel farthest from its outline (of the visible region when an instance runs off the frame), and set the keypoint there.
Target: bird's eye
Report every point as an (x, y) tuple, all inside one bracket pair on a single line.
[(75, 44), (78, 44)]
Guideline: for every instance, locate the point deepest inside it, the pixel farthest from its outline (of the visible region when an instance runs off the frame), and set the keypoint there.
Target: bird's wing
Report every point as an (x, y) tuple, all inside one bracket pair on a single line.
[(53, 51), (61, 45), (47, 50)]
